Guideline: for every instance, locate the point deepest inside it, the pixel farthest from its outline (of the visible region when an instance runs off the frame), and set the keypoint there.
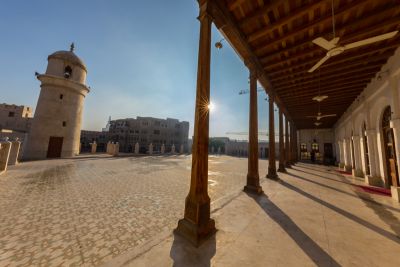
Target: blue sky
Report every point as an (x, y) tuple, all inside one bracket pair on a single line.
[(141, 58)]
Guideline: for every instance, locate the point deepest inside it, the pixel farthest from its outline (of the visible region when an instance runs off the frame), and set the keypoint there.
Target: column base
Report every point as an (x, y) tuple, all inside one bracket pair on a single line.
[(194, 233), (341, 165), (288, 165), (347, 168), (372, 180), (281, 168), (359, 173), (272, 175), (253, 189), (395, 193)]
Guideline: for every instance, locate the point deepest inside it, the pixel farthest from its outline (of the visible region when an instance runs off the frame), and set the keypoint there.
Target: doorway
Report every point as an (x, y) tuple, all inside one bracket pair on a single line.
[(328, 154), (390, 151), (55, 147)]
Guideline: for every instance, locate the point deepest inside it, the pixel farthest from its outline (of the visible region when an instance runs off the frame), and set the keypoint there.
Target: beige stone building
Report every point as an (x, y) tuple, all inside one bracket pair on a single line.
[(142, 130), (15, 118), (56, 126)]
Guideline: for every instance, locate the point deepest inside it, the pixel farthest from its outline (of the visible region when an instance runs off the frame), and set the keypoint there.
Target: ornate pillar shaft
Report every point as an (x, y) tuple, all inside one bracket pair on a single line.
[(271, 160), (281, 145), (253, 178), (287, 144), (197, 225)]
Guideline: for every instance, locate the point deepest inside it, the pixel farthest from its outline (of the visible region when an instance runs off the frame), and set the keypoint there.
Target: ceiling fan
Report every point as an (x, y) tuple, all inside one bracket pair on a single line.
[(333, 49), (320, 116)]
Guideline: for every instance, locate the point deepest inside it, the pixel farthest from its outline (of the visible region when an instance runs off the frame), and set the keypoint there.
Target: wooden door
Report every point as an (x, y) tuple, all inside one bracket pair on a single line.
[(55, 147), (390, 150)]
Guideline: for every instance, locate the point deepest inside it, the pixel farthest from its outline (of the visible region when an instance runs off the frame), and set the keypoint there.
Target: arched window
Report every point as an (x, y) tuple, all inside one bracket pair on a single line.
[(67, 72)]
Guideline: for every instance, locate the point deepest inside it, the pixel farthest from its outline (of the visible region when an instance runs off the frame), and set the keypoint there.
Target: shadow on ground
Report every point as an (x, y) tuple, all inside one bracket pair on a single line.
[(312, 249), (185, 254)]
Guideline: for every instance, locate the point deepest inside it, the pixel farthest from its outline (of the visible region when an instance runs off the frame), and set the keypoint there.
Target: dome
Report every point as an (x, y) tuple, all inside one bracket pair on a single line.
[(68, 56)]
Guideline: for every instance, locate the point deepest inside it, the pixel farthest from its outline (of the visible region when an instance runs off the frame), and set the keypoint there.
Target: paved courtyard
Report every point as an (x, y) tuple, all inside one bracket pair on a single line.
[(102, 210), (91, 209)]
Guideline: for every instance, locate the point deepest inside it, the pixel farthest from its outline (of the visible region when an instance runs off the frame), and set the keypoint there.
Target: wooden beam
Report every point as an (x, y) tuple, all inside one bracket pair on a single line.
[(308, 95), (341, 59), (347, 38), (228, 27), (310, 57), (327, 71), (263, 11), (325, 19), (235, 4), (337, 74), (329, 83)]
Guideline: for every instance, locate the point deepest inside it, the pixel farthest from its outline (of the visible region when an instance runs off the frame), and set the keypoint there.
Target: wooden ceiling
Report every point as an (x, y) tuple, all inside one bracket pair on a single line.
[(279, 34)]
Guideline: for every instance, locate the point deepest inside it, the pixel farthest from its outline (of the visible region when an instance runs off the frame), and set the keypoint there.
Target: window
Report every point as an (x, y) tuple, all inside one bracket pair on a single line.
[(156, 132), (64, 123), (11, 114), (67, 72), (61, 96)]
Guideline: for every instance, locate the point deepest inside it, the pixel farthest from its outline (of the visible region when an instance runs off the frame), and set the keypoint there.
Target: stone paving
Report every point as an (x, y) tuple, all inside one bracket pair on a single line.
[(312, 216), (86, 211)]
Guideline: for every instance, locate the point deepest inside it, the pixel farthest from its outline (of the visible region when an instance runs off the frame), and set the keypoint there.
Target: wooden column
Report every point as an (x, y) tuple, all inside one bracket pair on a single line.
[(293, 143), (281, 145), (287, 144), (271, 159), (253, 178), (197, 225)]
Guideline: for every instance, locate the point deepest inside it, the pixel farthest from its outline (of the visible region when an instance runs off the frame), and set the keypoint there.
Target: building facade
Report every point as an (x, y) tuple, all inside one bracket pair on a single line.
[(142, 130), (368, 134), (15, 118)]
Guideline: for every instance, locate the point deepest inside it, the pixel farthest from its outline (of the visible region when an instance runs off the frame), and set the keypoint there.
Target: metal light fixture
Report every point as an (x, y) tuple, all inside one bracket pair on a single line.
[(320, 98), (219, 45)]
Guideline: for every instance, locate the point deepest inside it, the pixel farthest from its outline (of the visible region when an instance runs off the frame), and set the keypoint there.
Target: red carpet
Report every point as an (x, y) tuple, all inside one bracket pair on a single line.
[(344, 172), (374, 190)]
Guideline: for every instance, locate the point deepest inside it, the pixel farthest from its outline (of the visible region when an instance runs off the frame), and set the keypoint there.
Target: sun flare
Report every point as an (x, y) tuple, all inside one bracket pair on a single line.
[(211, 106)]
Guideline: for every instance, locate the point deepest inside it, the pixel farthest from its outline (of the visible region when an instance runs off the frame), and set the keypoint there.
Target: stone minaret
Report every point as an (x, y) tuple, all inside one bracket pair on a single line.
[(56, 127)]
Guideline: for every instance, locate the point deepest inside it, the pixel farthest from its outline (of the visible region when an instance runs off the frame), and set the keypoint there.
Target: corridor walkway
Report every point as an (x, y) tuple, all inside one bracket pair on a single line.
[(312, 217)]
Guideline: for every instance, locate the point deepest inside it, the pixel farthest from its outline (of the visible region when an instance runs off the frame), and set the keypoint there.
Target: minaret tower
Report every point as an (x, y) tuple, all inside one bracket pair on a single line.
[(56, 127)]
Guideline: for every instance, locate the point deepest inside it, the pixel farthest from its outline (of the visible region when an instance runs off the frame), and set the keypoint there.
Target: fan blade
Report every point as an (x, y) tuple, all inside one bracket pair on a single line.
[(316, 66), (325, 44), (334, 41), (371, 40), (330, 115)]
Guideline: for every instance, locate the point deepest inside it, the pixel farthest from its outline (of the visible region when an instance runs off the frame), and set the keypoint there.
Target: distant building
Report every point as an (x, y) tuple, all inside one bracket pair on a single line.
[(142, 130), (15, 118)]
